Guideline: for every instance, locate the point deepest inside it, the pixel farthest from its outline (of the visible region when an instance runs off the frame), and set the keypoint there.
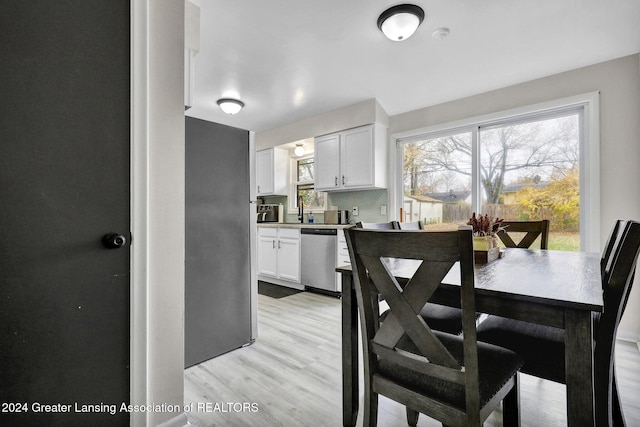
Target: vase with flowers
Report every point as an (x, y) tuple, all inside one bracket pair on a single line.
[(485, 240)]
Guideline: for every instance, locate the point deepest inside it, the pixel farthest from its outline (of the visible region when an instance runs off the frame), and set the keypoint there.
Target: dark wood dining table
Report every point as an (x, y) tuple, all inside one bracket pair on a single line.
[(555, 288)]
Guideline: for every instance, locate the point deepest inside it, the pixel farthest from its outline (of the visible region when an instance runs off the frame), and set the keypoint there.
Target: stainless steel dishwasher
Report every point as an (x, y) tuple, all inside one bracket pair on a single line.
[(319, 260)]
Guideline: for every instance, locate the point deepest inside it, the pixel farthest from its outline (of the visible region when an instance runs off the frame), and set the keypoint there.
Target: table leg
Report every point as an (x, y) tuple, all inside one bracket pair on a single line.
[(350, 392), (579, 368)]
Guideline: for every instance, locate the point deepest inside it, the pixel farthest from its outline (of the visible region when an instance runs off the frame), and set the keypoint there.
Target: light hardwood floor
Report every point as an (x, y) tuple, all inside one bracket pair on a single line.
[(291, 376)]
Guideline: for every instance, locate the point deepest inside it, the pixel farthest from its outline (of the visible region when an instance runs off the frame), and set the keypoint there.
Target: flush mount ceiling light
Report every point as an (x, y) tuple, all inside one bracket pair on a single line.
[(230, 105), (401, 21), (299, 150)]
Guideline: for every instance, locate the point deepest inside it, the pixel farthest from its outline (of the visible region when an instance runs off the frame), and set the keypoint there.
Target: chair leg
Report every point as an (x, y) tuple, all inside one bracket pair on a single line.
[(618, 413), (412, 417), (511, 405), (370, 409)]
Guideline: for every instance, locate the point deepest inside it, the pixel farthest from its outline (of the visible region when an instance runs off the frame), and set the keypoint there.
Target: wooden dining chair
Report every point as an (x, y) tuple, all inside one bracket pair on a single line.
[(391, 225), (613, 241), (543, 347), (532, 230), (415, 225), (439, 317), (451, 378)]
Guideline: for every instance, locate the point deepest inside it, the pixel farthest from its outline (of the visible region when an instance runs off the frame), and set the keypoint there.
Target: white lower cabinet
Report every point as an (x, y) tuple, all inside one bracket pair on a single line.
[(289, 259), (279, 253), (267, 252)]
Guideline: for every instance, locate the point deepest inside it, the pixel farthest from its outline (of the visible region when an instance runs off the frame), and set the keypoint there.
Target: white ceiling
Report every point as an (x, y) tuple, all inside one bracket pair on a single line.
[(292, 59)]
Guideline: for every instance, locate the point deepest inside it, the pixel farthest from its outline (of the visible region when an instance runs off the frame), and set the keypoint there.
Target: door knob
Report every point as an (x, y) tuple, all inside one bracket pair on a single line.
[(114, 241)]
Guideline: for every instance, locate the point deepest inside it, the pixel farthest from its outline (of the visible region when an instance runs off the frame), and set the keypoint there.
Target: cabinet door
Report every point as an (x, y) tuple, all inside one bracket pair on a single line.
[(357, 158), (327, 162), (264, 172), (289, 260), (268, 256)]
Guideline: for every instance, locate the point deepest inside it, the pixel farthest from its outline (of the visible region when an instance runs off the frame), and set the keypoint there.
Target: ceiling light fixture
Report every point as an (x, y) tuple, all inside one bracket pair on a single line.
[(401, 21), (230, 105), (299, 150)]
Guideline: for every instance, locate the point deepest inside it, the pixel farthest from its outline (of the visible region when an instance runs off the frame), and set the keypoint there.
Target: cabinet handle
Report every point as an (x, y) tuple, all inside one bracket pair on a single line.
[(342, 179), (336, 181), (274, 244), (258, 188), (278, 244)]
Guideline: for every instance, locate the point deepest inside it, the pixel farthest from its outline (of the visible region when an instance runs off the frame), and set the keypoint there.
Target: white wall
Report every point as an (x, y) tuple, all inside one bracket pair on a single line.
[(157, 209), (618, 82)]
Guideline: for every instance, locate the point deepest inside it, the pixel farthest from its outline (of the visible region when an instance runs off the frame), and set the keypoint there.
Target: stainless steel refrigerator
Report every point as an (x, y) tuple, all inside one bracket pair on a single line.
[(220, 279)]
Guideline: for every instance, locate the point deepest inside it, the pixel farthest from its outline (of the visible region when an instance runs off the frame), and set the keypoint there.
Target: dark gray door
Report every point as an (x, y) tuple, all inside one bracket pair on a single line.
[(64, 184), (217, 279)]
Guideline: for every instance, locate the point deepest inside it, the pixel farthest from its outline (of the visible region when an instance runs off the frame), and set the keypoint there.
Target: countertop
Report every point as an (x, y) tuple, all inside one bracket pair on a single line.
[(300, 225)]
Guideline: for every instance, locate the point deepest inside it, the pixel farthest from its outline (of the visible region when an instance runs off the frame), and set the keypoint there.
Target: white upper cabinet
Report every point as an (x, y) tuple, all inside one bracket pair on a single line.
[(271, 172), (326, 161), (357, 155), (354, 159)]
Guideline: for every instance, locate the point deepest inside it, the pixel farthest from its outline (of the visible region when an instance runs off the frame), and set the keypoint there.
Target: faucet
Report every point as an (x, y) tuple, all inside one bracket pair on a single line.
[(300, 210)]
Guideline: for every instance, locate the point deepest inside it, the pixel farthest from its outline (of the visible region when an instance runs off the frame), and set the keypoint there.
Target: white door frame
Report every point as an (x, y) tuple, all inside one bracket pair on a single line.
[(157, 210)]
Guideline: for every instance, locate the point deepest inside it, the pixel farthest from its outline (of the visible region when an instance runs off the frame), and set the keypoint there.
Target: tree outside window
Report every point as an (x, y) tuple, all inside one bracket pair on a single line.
[(311, 199), (526, 170)]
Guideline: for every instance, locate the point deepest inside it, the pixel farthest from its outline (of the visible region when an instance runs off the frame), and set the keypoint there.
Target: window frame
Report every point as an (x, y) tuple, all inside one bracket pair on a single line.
[(294, 183), (589, 154)]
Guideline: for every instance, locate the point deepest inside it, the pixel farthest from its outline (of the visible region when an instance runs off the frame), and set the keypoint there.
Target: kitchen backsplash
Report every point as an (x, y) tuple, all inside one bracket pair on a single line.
[(368, 203)]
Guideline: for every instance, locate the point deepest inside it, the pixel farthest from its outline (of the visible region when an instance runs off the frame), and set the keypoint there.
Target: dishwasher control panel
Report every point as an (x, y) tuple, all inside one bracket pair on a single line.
[(320, 231)]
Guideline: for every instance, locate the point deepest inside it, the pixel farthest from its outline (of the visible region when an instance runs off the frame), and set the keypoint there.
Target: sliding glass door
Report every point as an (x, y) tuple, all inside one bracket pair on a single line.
[(525, 167), (531, 171), (438, 179)]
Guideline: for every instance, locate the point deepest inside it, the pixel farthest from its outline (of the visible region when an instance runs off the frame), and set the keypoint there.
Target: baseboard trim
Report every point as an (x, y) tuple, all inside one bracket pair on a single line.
[(177, 421)]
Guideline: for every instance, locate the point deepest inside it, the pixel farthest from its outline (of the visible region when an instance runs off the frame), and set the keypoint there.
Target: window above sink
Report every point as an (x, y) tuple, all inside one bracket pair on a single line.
[(302, 185)]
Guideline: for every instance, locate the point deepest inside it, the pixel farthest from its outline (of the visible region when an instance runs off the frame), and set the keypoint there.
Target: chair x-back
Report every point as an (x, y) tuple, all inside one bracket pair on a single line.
[(439, 317), (391, 225), (415, 225), (453, 379), (533, 229)]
